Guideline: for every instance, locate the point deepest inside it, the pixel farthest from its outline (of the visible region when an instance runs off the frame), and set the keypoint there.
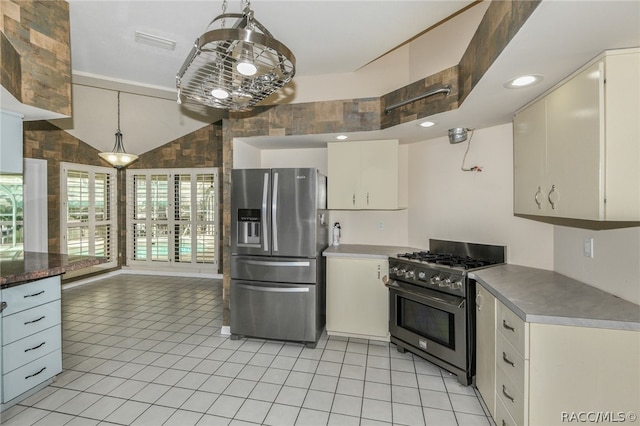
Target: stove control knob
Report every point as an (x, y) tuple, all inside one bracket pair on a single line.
[(456, 285), (401, 272), (393, 270), (445, 282), (422, 276), (410, 274), (435, 280)]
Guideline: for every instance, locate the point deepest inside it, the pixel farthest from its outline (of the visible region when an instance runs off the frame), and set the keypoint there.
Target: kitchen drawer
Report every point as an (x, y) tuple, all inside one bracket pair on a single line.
[(503, 417), (26, 377), (511, 361), (514, 329), (25, 323), (30, 348), (511, 395), (27, 296)]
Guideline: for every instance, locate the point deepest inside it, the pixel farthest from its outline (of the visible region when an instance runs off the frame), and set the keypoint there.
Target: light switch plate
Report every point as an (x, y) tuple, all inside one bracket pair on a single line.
[(587, 247)]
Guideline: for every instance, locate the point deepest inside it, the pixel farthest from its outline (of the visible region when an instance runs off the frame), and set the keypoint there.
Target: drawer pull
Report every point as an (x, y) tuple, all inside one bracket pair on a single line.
[(507, 360), (34, 294), (504, 423), (3, 306), (507, 326), (35, 374), (35, 347), (504, 392), (35, 320)]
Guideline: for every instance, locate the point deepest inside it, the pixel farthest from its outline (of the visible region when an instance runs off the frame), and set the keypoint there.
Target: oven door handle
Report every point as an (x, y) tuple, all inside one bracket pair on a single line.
[(395, 286)]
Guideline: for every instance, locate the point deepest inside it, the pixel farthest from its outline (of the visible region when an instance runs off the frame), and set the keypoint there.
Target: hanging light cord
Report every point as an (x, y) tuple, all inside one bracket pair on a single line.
[(464, 159), (118, 112)]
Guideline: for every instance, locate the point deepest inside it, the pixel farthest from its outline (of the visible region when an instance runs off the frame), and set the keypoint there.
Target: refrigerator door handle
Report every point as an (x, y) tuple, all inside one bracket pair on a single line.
[(274, 212), (265, 196), (275, 289), (279, 264)]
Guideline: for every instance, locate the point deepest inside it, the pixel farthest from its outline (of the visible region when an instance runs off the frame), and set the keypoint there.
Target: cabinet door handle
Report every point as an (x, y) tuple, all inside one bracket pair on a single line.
[(35, 347), (34, 294), (35, 374), (35, 320), (3, 306), (553, 190), (479, 301), (507, 326), (367, 198), (537, 199), (354, 199), (504, 392), (507, 360)]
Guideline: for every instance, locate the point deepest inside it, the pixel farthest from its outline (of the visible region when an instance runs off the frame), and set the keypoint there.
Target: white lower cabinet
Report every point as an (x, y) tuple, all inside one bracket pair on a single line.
[(544, 373), (357, 299), (31, 337), (486, 346)]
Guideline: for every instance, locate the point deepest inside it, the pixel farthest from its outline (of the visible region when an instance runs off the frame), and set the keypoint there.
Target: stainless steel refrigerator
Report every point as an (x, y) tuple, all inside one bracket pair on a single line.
[(278, 233)]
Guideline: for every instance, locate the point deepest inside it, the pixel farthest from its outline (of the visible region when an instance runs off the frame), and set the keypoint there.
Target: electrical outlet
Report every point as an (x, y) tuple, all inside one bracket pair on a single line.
[(381, 225), (587, 247)]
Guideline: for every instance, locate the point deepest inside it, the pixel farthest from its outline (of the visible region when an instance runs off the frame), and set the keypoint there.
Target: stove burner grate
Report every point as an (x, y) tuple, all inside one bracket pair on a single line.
[(446, 259)]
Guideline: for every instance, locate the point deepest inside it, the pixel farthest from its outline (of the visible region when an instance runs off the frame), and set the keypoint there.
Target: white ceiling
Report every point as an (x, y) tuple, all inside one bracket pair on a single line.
[(333, 36), (325, 36)]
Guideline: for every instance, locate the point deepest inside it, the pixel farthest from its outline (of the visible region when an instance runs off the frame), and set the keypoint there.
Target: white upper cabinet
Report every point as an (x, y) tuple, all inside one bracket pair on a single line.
[(364, 175), (10, 142), (577, 149)]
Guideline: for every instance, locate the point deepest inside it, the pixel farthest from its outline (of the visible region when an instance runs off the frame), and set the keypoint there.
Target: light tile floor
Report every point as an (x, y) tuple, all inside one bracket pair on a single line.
[(147, 350)]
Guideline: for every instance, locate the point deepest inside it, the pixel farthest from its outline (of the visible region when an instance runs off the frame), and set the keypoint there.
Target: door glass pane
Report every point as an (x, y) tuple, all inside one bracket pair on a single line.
[(182, 243), (78, 240), (139, 241), (140, 197), (160, 242), (77, 197), (102, 246), (11, 215)]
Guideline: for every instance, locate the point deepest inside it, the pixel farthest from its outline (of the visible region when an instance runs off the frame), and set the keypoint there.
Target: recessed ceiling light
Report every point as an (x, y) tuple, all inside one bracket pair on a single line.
[(155, 41), (342, 137), (523, 81), (427, 124)]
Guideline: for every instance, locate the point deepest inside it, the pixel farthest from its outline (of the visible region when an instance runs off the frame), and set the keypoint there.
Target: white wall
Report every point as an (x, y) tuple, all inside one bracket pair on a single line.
[(246, 156), (304, 157), (615, 266), (447, 203)]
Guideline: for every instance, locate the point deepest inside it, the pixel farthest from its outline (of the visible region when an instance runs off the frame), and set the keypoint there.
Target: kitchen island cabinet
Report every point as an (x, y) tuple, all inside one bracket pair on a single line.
[(30, 328), (560, 347), (364, 175), (577, 149)]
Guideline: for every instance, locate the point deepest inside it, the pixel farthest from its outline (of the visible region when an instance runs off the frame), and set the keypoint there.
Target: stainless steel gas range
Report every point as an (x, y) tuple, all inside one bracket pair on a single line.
[(431, 302)]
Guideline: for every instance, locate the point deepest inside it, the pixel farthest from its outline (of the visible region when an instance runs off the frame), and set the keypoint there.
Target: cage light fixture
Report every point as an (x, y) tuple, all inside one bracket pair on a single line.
[(234, 67), (118, 157)]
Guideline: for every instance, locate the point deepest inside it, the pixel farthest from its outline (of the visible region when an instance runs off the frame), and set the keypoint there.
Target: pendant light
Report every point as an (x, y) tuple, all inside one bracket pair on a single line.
[(235, 67), (118, 157)]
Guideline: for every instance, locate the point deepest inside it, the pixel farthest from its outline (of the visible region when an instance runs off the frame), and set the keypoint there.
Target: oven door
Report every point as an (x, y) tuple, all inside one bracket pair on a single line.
[(430, 321)]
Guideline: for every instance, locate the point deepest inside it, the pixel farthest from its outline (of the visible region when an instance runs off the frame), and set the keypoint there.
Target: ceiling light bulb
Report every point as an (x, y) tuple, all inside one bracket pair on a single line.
[(341, 137), (246, 68), (523, 81), (125, 158), (113, 158), (219, 93), (427, 124)]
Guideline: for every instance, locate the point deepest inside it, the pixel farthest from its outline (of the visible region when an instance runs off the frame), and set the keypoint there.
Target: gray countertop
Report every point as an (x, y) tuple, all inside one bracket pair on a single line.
[(363, 250), (541, 296)]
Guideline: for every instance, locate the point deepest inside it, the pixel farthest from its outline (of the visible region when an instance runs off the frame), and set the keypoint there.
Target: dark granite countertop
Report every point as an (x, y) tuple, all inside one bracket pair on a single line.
[(28, 266)]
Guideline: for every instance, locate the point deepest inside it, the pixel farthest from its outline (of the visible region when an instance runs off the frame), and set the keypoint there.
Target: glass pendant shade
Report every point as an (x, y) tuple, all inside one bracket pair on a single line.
[(118, 157)]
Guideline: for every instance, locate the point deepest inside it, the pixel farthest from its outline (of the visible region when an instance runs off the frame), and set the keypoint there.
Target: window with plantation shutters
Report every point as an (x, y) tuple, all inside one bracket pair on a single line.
[(88, 219), (172, 219)]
